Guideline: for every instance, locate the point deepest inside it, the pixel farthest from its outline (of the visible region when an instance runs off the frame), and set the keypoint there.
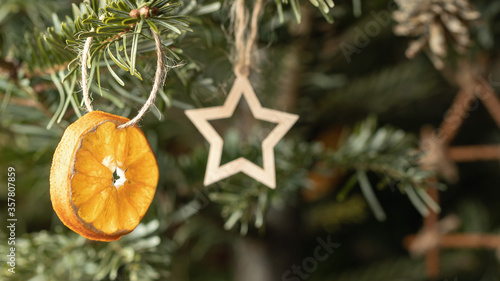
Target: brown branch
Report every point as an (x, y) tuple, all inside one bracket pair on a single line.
[(459, 241), (456, 115), (489, 99), (473, 153), (488, 241), (431, 238)]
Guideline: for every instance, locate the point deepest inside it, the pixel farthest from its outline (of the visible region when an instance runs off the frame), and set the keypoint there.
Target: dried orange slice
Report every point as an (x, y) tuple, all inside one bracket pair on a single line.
[(102, 179)]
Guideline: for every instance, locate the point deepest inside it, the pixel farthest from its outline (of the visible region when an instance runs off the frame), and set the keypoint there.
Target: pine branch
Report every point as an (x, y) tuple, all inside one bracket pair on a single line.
[(389, 153), (141, 255), (110, 26)]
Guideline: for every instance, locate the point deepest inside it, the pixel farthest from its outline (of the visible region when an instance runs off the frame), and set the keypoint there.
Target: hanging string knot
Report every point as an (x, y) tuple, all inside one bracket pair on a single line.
[(244, 43)]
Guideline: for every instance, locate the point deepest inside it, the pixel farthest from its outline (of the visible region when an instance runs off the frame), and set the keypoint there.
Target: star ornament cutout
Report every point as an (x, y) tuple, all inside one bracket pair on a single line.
[(201, 117)]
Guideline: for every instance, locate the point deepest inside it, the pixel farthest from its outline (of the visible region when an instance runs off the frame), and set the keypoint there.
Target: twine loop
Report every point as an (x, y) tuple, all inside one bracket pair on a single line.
[(156, 84), (245, 44)]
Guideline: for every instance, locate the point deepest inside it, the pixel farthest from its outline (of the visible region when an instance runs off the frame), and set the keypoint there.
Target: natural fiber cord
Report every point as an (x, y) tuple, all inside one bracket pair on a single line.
[(156, 84), (244, 48)]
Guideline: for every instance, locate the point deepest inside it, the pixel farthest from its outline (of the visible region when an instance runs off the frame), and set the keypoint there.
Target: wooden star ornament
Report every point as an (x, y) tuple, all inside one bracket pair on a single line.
[(201, 117)]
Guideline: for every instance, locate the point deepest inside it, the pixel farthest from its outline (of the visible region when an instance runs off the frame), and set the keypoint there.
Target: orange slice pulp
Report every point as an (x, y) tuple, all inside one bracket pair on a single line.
[(102, 179)]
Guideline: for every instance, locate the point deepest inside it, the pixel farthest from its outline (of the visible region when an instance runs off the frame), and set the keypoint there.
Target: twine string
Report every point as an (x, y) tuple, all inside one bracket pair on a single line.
[(85, 87), (156, 84), (244, 48)]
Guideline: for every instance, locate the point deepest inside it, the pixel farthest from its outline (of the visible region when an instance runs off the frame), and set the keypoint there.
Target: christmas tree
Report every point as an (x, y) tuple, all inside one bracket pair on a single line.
[(272, 140)]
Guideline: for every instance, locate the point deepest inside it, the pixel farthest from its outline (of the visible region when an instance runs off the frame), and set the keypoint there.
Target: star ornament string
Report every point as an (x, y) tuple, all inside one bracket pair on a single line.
[(242, 89)]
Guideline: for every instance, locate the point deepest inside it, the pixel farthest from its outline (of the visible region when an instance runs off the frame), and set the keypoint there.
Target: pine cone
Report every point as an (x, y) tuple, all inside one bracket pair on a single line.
[(435, 22)]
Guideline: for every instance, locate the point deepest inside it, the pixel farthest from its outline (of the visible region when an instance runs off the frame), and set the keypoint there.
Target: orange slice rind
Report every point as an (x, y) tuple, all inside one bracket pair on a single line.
[(102, 179)]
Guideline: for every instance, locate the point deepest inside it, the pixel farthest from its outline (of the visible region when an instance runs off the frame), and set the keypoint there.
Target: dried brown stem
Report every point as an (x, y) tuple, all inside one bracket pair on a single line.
[(474, 153), (455, 116), (489, 99), (487, 241)]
